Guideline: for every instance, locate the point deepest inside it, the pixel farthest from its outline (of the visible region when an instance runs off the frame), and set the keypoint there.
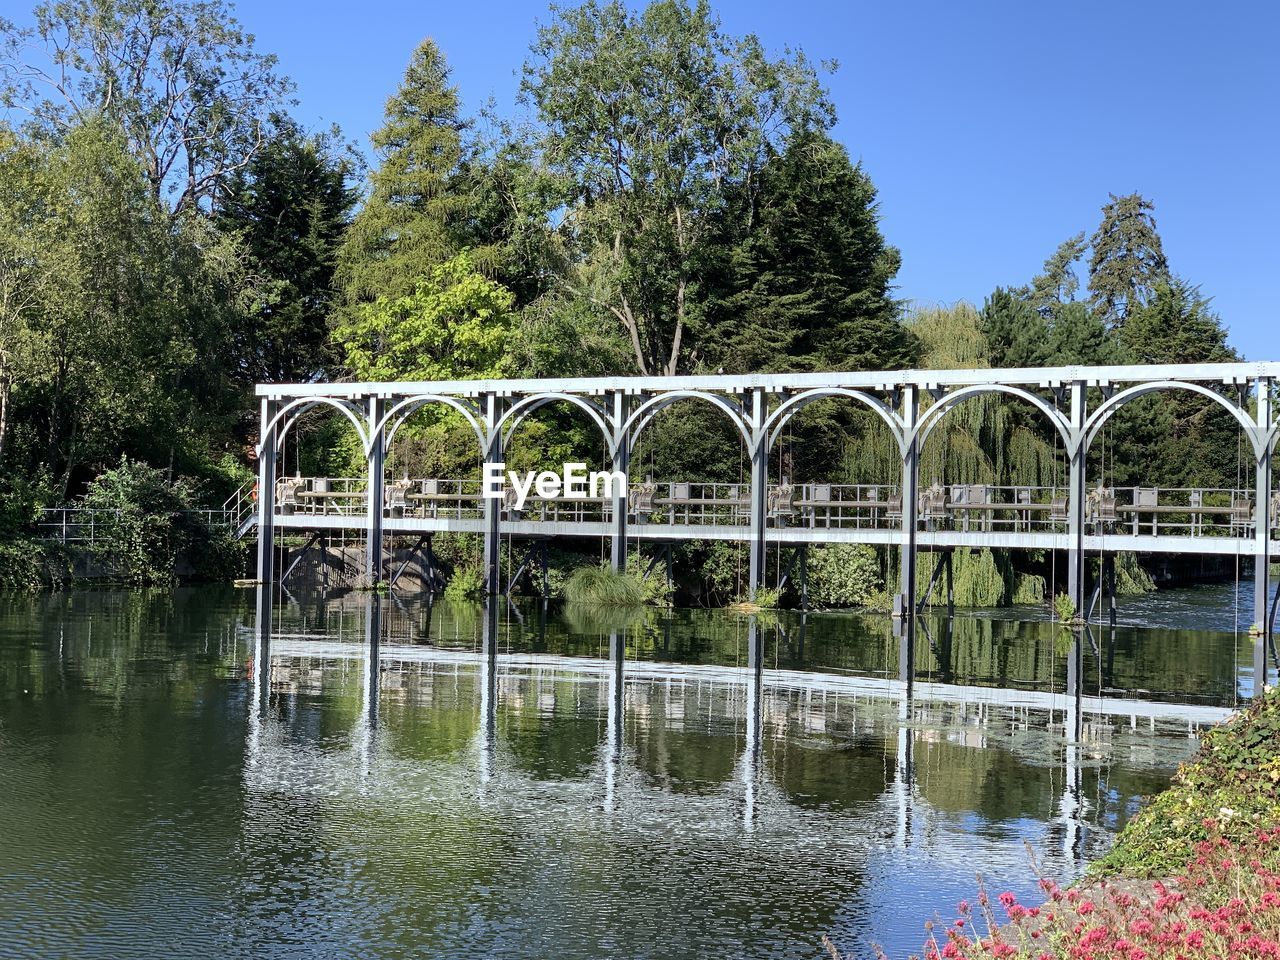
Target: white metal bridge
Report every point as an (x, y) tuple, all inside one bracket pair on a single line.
[(1085, 517)]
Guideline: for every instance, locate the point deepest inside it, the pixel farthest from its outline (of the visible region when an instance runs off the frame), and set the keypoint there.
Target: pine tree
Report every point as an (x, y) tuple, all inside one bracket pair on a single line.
[(406, 227), (1058, 284), (1128, 261)]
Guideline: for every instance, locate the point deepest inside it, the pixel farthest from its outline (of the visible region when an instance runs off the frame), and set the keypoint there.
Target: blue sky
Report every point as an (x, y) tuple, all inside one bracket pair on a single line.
[(993, 130)]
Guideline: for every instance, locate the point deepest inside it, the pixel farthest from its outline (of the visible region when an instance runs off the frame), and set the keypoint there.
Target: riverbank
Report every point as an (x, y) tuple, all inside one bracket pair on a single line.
[(1195, 874)]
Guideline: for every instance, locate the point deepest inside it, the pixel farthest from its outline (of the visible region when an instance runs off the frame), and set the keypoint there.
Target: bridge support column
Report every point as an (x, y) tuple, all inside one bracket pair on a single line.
[(621, 464), (1262, 536), (905, 607), (267, 494), (1076, 502), (492, 507), (376, 501), (759, 507)]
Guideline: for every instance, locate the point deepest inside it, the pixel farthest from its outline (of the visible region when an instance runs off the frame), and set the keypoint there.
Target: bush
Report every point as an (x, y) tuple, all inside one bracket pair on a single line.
[(1230, 787), (466, 583), (843, 575), (145, 522), (27, 566), (1064, 608), (601, 586)]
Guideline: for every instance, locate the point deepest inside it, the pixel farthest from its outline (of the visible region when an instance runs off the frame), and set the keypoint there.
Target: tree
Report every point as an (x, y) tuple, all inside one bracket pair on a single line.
[(1058, 284), (1016, 333), (1177, 326), (654, 121), (1128, 261), (179, 77), (408, 225), (811, 282), (289, 208), (454, 325)]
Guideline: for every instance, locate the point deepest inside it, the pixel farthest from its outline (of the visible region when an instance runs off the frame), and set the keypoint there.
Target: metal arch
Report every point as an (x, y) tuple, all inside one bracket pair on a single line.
[(1104, 412), (644, 413), (793, 405), (303, 404), (521, 409), (411, 404), (933, 416)]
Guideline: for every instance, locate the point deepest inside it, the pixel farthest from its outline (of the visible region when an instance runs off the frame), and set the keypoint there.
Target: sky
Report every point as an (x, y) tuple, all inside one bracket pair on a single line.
[(993, 130)]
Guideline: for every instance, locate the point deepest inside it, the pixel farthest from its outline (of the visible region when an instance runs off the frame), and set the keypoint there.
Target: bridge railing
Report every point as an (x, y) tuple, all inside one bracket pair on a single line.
[(1208, 512)]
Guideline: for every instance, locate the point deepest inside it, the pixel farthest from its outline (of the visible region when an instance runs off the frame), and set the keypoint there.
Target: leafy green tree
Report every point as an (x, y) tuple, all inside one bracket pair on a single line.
[(1078, 336), (132, 316), (408, 225), (454, 325), (289, 207), (654, 121), (1128, 261), (1177, 326), (180, 78), (812, 280)]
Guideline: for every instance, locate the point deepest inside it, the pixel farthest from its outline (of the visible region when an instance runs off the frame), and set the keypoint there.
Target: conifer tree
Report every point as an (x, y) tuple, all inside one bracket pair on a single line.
[(405, 228), (1128, 261)]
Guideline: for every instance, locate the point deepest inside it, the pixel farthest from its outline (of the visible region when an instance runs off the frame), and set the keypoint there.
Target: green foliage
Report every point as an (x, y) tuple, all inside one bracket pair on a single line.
[(601, 586), (1131, 579), (144, 525), (811, 281), (843, 575), (289, 208), (1029, 588), (179, 77), (1064, 608), (766, 598), (1128, 262), (655, 589), (28, 565), (1231, 787), (454, 325), (466, 583), (406, 227), (657, 124)]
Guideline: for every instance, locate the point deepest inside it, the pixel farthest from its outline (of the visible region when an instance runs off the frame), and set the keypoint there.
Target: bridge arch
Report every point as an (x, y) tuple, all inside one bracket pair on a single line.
[(1094, 424), (520, 410), (934, 415), (288, 415), (643, 415), (394, 418), (793, 405)]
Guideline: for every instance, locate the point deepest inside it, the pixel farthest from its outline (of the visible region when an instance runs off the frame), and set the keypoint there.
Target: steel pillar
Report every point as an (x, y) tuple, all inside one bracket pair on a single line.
[(267, 494), (492, 507), (905, 607), (1262, 535), (376, 500), (758, 511), (1076, 498), (621, 463)]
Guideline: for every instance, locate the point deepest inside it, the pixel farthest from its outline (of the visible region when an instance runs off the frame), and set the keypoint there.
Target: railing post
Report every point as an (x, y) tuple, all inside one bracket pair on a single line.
[(1262, 536), (267, 493), (1076, 501), (759, 507), (492, 507), (621, 463), (375, 501), (905, 607)]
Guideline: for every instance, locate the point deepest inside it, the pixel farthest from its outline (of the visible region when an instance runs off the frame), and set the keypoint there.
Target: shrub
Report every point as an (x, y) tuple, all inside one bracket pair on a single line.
[(1230, 787), (27, 566), (1064, 608), (145, 522), (602, 586), (843, 575), (466, 583)]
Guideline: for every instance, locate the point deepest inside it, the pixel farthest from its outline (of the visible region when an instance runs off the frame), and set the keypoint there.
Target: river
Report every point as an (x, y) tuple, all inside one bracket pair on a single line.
[(165, 796)]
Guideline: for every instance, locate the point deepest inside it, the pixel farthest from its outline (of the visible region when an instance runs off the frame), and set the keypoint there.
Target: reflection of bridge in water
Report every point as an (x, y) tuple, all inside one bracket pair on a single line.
[(759, 701), (1085, 517)]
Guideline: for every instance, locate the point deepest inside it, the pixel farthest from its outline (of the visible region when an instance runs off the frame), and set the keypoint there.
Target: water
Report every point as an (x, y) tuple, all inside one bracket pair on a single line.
[(163, 795)]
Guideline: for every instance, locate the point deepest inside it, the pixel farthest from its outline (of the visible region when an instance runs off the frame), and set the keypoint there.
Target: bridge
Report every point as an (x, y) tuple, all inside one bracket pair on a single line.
[(1078, 520)]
